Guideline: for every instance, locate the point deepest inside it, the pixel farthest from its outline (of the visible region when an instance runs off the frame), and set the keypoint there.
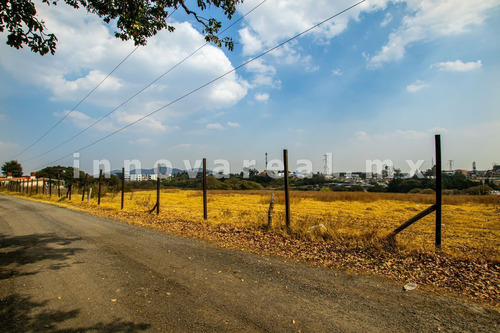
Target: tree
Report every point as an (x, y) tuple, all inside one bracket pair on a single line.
[(13, 167), (135, 19)]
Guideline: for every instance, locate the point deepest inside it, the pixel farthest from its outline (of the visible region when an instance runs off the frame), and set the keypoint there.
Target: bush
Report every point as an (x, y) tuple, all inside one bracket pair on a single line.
[(428, 191), (415, 190), (479, 190)]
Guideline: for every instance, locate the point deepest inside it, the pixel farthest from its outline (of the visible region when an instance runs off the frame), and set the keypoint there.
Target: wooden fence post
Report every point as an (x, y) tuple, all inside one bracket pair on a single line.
[(70, 186), (58, 185), (43, 186), (84, 185), (158, 191), (439, 189), (50, 186), (99, 189), (31, 190), (204, 185), (270, 212), (287, 191), (123, 188)]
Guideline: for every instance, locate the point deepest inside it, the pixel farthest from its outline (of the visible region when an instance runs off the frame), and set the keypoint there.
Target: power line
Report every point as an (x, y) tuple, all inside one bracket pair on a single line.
[(81, 101), (142, 90), (208, 83), (78, 104)]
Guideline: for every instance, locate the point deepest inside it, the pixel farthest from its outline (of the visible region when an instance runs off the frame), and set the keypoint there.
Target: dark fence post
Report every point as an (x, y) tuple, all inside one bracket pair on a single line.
[(158, 191), (270, 212), (58, 185), (204, 177), (123, 188), (414, 219), (50, 186), (43, 186), (287, 190), (99, 188), (31, 190), (36, 188), (439, 189), (84, 185), (70, 187)]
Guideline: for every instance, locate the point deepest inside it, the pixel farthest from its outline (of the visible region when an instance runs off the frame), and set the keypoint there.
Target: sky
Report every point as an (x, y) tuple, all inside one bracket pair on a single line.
[(374, 83)]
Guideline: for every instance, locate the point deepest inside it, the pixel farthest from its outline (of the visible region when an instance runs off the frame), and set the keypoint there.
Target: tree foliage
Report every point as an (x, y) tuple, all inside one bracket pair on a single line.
[(135, 19), (13, 167)]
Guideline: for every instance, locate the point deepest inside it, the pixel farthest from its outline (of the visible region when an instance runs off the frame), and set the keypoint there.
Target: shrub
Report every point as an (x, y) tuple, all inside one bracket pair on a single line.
[(480, 190)]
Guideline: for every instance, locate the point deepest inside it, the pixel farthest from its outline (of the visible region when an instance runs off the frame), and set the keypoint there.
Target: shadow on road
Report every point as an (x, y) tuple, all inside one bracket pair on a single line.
[(18, 251), (20, 314)]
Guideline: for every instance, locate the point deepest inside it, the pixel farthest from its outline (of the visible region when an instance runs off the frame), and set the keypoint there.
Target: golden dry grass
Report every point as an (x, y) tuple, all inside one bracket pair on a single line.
[(471, 224)]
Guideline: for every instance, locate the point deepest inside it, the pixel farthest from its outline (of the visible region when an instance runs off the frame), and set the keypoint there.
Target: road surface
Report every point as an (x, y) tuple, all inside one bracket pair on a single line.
[(66, 271)]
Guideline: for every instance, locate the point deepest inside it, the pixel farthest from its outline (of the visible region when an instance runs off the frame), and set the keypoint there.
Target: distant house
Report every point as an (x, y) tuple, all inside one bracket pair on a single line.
[(24, 181)]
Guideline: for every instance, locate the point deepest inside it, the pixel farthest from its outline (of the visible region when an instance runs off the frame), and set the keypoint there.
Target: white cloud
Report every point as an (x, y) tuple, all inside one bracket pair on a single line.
[(427, 20), (215, 126), (116, 121), (64, 88), (387, 20), (231, 124), (457, 66), (416, 86), (279, 20), (180, 146), (150, 123), (141, 141), (251, 44), (87, 51), (263, 75), (262, 97), (336, 72)]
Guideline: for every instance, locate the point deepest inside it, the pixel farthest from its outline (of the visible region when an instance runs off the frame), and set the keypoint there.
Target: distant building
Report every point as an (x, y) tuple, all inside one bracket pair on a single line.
[(140, 177)]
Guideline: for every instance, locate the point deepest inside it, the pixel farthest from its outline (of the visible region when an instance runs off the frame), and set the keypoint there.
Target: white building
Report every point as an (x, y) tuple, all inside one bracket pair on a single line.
[(140, 177)]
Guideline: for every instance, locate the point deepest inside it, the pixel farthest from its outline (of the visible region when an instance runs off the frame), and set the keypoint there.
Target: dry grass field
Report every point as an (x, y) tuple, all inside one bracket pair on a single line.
[(471, 224)]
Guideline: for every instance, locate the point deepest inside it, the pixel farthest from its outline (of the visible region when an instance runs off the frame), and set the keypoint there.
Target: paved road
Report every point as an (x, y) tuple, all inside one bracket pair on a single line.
[(65, 271)]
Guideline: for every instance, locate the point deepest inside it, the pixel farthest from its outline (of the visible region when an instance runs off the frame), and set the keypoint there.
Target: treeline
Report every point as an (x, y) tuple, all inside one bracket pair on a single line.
[(111, 184), (452, 184)]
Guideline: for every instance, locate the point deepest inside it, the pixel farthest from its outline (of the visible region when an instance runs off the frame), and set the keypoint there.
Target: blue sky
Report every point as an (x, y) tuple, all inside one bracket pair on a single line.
[(376, 82)]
